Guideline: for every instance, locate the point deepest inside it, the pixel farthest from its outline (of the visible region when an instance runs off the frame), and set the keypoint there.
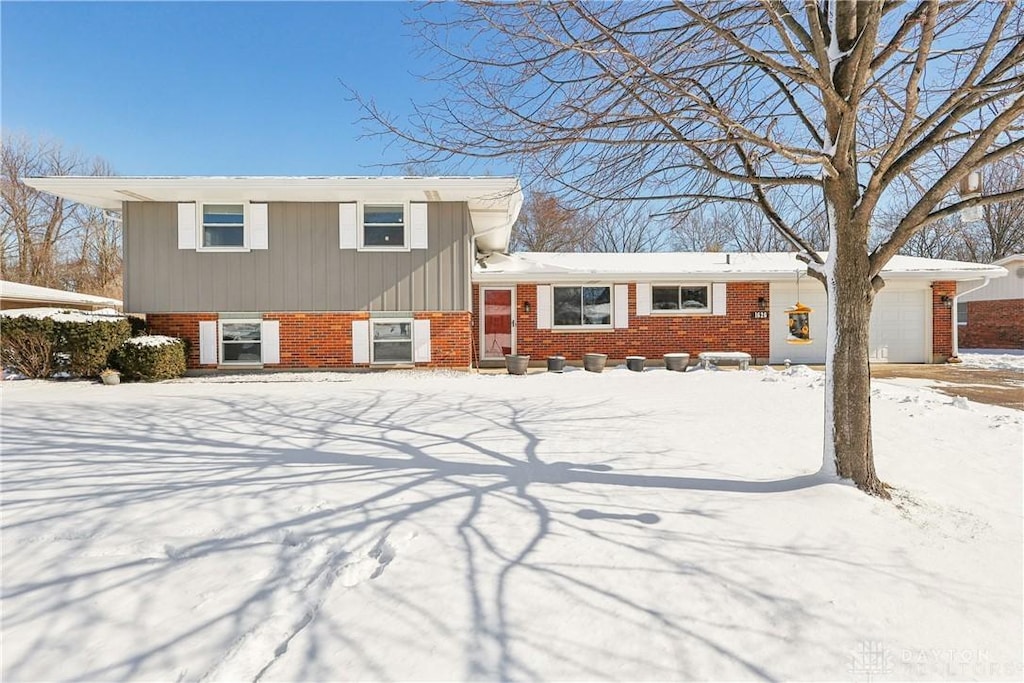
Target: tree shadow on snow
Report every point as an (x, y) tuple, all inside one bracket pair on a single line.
[(472, 479)]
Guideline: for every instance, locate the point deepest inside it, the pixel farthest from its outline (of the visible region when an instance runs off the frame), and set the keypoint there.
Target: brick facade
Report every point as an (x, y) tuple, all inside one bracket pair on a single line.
[(652, 335), (324, 340), (942, 321), (183, 326), (995, 324)]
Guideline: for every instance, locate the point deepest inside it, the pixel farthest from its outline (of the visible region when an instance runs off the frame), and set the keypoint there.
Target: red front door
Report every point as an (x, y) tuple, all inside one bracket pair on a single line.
[(497, 328)]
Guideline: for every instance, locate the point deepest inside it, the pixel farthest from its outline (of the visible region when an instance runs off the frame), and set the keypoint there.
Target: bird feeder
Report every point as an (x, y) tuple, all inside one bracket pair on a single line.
[(799, 324), (970, 187), (799, 319)]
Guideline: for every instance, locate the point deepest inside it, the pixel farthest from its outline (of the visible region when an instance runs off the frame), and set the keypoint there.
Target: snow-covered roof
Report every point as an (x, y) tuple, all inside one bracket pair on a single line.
[(16, 291), (1006, 260), (494, 201), (65, 314), (553, 267)]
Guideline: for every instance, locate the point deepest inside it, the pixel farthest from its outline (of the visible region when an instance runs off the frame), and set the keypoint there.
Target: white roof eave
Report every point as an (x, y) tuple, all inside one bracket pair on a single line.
[(494, 201), (497, 276)]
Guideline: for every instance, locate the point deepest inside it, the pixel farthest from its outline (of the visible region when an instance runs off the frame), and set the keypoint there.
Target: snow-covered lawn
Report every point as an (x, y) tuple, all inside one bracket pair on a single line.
[(442, 526), (1001, 359)]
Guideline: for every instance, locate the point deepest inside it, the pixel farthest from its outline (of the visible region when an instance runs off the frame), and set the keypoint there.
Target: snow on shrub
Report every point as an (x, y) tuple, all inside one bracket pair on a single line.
[(37, 342), (150, 358)]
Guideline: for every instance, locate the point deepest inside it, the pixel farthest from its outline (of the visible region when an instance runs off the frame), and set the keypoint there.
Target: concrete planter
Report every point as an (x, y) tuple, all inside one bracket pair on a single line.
[(594, 362), (110, 378), (556, 363), (636, 363), (516, 364), (677, 362)]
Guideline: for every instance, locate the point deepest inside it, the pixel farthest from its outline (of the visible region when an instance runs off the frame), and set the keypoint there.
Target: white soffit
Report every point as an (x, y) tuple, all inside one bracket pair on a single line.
[(494, 201)]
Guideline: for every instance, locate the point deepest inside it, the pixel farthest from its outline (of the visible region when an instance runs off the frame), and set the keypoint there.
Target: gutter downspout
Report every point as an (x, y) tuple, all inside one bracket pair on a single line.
[(956, 322)]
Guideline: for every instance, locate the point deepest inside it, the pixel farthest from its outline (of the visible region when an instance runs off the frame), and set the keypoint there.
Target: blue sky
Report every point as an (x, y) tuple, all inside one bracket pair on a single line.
[(197, 88)]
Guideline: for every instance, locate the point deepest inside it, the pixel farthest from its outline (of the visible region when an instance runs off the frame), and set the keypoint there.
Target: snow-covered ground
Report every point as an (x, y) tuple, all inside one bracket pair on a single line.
[(999, 359), (446, 526)]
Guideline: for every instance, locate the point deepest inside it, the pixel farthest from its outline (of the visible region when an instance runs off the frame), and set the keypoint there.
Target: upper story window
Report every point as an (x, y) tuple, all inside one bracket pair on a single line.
[(582, 306), (680, 298), (223, 225), (384, 225)]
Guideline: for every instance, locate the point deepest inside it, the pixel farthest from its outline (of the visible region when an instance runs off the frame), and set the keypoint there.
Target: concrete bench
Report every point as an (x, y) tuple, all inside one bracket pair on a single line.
[(709, 358)]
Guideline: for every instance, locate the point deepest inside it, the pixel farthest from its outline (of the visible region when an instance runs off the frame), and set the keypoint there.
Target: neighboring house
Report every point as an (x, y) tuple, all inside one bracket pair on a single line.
[(991, 316), (338, 272), (18, 295)]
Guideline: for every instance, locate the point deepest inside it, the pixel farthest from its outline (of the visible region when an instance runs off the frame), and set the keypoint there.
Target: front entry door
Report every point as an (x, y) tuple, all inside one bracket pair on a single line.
[(498, 330)]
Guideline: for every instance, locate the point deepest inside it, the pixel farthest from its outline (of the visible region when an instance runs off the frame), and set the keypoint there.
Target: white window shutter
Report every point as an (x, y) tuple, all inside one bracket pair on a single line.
[(620, 313), (360, 341), (187, 226), (418, 225), (348, 226), (259, 227), (718, 298), (543, 307), (207, 342), (643, 298), (270, 341), (421, 340)]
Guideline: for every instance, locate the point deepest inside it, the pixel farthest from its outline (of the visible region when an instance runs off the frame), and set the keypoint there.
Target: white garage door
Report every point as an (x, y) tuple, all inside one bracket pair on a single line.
[(900, 324)]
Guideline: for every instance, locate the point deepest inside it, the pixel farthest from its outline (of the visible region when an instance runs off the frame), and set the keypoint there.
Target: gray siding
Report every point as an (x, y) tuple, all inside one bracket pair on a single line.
[(303, 270)]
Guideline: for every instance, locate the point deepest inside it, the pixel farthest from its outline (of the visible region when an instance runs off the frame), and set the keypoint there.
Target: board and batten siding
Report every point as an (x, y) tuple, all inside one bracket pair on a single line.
[(303, 270)]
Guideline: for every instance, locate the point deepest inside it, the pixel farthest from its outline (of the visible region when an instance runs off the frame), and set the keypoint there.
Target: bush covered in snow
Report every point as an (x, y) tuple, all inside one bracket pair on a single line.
[(150, 358), (37, 343)]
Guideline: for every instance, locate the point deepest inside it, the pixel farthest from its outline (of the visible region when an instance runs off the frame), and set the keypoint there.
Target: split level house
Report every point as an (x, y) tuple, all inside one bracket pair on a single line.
[(348, 272)]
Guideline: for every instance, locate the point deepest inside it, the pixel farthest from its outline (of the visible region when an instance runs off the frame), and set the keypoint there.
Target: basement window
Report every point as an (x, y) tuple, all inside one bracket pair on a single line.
[(392, 341), (241, 341)]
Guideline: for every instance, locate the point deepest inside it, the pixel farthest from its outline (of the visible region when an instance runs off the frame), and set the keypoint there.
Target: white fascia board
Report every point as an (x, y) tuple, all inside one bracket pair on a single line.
[(717, 276), (494, 201), (110, 191)]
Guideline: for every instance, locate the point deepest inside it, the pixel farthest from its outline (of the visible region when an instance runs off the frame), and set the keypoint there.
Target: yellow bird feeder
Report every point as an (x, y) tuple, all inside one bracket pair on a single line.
[(799, 324), (799, 319)]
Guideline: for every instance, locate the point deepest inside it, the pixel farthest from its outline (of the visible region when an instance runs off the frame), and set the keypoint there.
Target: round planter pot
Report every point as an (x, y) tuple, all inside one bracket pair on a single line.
[(594, 362), (556, 363), (110, 380), (636, 363), (517, 365), (677, 362)]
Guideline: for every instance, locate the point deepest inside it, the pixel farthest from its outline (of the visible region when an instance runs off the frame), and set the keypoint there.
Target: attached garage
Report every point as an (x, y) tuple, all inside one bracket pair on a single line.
[(900, 323), (911, 318)]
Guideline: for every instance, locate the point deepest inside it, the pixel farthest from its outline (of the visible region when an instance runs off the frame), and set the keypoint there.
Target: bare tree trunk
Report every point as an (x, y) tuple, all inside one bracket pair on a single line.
[(848, 449)]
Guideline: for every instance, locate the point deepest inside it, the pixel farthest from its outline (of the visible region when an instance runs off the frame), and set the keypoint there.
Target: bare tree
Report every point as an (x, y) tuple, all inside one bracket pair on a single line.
[(709, 101), (704, 229), (46, 240), (1000, 233), (628, 227), (547, 223)]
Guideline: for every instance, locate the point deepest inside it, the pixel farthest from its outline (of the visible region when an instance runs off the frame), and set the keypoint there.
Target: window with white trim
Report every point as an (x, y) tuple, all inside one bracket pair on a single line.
[(680, 299), (384, 226), (581, 306), (391, 341), (222, 226), (241, 341)]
